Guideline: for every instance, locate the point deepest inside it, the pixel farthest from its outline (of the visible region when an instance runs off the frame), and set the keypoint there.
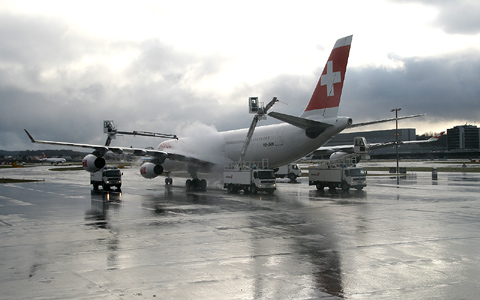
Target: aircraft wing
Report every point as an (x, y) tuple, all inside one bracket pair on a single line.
[(157, 154), (102, 150)]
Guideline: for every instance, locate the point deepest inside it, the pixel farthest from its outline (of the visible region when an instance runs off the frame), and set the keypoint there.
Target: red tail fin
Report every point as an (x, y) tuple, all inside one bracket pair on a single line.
[(326, 97)]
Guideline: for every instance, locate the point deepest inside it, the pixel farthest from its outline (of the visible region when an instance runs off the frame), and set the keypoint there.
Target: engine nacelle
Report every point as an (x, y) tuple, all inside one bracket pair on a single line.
[(150, 170), (337, 155), (92, 163)]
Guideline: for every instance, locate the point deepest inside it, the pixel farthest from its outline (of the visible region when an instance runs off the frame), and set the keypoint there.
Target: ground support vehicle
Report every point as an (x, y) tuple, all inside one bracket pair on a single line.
[(107, 177), (292, 171), (250, 180), (333, 176)]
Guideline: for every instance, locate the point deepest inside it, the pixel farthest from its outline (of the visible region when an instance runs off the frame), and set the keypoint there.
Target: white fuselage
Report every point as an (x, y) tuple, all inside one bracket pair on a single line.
[(54, 160), (280, 144)]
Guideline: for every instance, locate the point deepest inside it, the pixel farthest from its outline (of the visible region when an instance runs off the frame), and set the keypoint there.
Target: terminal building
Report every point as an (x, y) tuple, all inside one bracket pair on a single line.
[(463, 137)]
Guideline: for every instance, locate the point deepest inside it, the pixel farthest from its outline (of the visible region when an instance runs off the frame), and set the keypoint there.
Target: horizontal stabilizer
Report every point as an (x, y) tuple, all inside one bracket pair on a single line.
[(384, 120), (299, 122), (312, 128)]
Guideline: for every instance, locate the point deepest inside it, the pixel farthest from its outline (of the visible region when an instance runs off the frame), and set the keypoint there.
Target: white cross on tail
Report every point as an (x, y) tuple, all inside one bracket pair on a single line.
[(330, 78)]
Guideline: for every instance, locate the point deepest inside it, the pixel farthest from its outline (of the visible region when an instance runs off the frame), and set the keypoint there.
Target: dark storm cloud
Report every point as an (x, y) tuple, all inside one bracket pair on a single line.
[(446, 88), (46, 87), (154, 93)]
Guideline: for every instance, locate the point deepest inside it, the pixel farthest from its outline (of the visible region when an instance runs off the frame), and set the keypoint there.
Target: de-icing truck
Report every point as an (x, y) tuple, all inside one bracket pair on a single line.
[(250, 180), (333, 176)]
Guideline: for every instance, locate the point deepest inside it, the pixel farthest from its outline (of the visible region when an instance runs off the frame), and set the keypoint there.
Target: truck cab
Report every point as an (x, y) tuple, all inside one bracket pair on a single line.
[(107, 177)]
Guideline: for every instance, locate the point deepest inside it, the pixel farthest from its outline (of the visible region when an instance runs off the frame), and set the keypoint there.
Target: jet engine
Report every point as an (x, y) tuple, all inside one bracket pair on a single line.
[(150, 170), (92, 163)]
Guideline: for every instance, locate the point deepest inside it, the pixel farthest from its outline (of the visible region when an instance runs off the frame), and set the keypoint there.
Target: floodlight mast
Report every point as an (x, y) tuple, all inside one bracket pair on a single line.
[(260, 114)]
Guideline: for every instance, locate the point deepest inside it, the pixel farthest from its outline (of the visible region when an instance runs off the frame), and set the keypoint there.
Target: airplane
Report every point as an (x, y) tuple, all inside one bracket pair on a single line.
[(53, 160), (281, 143), (337, 152)]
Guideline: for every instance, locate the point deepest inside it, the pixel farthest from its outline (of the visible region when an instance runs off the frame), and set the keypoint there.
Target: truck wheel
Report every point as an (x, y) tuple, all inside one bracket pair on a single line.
[(246, 189), (320, 186), (345, 186), (254, 189), (292, 177), (95, 186)]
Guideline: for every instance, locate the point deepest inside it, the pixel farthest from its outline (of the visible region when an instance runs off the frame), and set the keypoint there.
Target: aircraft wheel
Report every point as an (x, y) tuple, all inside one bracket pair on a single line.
[(203, 185)]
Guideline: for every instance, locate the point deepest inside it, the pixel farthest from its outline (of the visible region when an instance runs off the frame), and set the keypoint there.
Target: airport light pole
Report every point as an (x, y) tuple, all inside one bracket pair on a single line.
[(396, 110)]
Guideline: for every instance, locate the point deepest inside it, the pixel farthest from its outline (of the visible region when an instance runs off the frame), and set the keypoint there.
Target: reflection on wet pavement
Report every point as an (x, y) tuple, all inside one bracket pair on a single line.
[(414, 240)]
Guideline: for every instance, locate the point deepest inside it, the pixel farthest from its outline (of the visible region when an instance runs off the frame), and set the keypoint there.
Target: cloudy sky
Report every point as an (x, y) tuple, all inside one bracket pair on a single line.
[(170, 66)]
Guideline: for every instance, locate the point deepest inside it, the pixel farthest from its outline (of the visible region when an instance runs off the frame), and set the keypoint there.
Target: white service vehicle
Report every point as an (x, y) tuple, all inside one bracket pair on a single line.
[(106, 177), (333, 176), (247, 176), (292, 171), (250, 180)]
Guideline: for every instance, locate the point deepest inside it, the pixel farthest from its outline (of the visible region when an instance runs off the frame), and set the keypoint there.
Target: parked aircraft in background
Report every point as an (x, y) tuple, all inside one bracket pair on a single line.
[(53, 160), (339, 151), (280, 144)]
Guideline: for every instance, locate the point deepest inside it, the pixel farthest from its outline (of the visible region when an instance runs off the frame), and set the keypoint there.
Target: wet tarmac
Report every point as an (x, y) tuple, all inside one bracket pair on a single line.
[(416, 240)]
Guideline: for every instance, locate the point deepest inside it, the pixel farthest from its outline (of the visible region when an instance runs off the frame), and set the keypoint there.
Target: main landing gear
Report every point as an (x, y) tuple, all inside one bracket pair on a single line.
[(195, 184)]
